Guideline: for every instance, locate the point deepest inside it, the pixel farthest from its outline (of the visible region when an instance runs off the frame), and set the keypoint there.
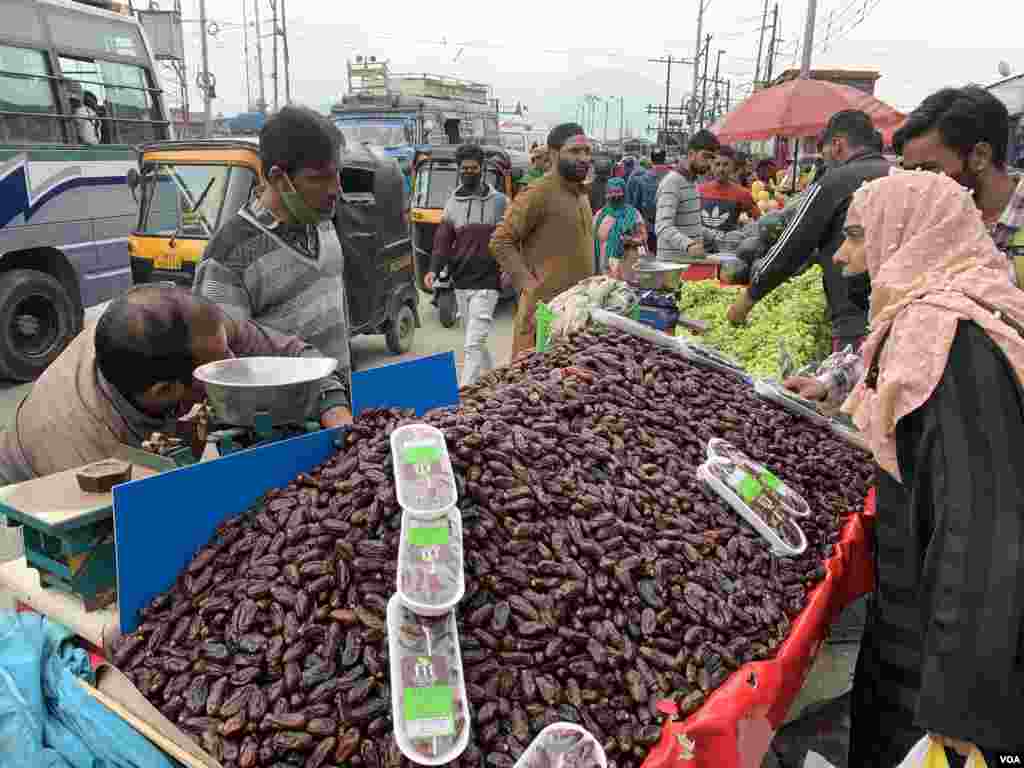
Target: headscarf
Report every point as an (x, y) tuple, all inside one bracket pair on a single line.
[(932, 264), (625, 221)]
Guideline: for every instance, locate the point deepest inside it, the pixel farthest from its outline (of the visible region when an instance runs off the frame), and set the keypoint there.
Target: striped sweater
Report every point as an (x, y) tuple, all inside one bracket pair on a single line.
[(678, 219), (296, 290)]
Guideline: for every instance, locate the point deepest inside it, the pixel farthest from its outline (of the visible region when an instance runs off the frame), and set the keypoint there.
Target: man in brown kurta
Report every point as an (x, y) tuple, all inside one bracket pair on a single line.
[(126, 376), (546, 240)]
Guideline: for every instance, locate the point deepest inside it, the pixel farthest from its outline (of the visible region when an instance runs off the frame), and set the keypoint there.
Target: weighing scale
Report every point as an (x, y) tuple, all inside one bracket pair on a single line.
[(251, 401), (69, 532)]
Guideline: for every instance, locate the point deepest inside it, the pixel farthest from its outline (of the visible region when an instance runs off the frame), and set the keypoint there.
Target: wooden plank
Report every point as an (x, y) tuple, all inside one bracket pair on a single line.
[(178, 753), (55, 502)]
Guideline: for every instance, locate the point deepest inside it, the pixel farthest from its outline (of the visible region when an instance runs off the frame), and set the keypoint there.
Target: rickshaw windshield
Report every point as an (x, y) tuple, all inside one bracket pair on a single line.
[(189, 200), (437, 180)]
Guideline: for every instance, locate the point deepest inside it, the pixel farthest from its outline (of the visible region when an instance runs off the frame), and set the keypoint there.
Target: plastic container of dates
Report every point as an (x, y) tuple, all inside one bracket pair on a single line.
[(794, 502), (424, 482), (431, 578), (428, 690), (563, 745), (756, 503)]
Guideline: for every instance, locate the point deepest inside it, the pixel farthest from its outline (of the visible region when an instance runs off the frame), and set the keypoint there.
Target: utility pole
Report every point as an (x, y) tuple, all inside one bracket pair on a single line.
[(805, 63), (273, 11), (668, 60), (760, 45), (245, 42), (718, 70), (607, 103), (259, 57), (205, 79), (622, 116), (701, 7), (284, 46), (770, 64), (704, 84)]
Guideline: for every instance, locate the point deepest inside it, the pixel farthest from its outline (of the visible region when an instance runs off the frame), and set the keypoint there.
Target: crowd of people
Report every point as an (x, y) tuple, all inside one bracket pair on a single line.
[(921, 268)]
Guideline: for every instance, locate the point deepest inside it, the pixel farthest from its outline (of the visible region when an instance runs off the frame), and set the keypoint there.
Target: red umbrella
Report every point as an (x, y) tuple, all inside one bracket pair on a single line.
[(799, 108)]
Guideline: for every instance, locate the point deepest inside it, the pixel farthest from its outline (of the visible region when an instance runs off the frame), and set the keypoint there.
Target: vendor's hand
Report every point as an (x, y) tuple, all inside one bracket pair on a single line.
[(695, 250), (808, 388), (740, 309), (428, 280), (339, 416), (960, 747)]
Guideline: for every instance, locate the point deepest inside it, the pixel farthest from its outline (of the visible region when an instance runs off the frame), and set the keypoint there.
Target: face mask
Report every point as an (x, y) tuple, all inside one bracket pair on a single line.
[(299, 209), (471, 180), (571, 170)]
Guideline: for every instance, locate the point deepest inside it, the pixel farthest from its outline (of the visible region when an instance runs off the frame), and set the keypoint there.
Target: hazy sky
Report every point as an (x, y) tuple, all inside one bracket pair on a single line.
[(537, 51)]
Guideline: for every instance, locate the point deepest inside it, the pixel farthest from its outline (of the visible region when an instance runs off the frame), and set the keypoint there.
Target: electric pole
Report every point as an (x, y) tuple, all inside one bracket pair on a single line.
[(760, 44), (245, 42), (668, 60), (770, 64), (622, 117), (273, 11), (704, 84), (204, 79), (701, 7), (259, 57), (718, 70), (805, 62), (284, 47), (607, 102)]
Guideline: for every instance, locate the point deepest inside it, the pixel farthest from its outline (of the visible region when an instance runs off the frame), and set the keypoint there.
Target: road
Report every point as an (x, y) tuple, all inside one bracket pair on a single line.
[(367, 351)]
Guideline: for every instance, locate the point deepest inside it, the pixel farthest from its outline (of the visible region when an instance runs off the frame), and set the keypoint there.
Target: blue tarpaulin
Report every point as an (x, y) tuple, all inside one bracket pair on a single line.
[(47, 720)]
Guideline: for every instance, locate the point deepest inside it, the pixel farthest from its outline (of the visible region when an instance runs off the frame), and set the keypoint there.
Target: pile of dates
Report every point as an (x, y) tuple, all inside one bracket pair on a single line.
[(601, 576)]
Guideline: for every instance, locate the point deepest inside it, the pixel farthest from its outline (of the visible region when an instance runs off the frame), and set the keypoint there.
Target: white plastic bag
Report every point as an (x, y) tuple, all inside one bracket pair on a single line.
[(928, 753)]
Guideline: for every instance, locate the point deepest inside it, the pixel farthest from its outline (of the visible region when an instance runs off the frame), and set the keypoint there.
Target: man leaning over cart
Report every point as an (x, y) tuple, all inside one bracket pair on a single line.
[(125, 376), (278, 261)]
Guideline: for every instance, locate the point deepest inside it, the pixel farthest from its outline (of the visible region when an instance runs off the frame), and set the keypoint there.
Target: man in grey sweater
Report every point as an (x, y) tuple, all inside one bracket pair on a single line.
[(278, 261), (678, 218)]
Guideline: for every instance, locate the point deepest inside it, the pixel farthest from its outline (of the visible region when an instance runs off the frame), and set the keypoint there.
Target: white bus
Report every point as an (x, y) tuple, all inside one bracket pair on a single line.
[(78, 92)]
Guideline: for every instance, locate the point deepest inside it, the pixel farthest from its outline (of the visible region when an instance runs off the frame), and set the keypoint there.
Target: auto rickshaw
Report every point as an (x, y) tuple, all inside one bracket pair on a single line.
[(187, 189), (435, 177)]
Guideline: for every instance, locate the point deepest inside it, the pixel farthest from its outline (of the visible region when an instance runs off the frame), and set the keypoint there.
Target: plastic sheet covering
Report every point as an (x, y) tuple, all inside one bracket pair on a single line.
[(734, 727), (46, 719)]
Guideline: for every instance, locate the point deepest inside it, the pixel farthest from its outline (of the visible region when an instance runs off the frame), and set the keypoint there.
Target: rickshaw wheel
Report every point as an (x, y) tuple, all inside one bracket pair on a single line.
[(401, 330), (446, 308)]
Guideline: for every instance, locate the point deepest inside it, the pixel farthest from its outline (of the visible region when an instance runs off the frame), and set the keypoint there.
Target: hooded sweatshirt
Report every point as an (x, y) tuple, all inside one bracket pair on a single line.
[(464, 234)]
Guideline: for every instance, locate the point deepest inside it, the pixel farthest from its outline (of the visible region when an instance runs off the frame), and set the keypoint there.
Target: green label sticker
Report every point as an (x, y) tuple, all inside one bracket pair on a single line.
[(748, 488), (543, 317), (428, 537), (421, 453), (429, 712), (768, 480)]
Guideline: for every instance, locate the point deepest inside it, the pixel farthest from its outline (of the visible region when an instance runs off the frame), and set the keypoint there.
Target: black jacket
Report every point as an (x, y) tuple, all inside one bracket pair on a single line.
[(815, 233)]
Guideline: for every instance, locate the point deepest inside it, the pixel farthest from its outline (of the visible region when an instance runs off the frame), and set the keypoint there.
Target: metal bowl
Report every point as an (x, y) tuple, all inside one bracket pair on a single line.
[(286, 388)]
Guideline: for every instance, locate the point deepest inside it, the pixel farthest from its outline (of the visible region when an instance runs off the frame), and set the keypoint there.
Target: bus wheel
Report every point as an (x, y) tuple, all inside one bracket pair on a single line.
[(37, 320)]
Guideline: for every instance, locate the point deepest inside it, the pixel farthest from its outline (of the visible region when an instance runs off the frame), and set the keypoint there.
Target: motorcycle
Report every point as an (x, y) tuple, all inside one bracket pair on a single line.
[(444, 298)]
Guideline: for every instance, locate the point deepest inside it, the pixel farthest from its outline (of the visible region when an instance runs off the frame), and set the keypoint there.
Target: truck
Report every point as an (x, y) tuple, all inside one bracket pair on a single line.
[(400, 112)]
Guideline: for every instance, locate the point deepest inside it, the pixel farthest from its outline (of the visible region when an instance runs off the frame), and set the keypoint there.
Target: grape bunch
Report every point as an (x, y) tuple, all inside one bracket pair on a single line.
[(794, 313)]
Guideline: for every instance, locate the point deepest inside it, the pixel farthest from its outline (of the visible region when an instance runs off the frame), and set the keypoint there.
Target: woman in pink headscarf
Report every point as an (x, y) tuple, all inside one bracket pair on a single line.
[(942, 407)]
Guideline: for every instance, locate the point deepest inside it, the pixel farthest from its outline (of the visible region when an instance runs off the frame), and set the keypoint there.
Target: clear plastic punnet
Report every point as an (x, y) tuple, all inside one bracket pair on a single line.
[(793, 501), (428, 690), (424, 481), (431, 578), (755, 503), (563, 745)]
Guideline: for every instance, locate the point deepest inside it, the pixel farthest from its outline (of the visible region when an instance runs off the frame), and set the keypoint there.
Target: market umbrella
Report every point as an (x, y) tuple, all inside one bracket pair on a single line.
[(799, 108)]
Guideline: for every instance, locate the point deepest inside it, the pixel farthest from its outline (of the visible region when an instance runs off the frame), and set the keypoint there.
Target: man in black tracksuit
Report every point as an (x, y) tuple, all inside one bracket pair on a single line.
[(816, 231)]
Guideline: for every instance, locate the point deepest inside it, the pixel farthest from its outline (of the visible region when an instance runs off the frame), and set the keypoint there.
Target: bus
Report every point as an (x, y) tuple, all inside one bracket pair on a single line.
[(78, 92)]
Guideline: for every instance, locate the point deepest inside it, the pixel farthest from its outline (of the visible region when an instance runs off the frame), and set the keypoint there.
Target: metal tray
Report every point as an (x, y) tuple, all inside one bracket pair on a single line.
[(287, 388)]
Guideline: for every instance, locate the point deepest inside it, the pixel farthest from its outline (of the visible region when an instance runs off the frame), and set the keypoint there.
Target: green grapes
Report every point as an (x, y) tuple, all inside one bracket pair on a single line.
[(795, 313)]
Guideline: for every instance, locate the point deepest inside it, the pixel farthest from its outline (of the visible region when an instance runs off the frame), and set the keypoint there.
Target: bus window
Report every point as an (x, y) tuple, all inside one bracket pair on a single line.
[(122, 100), (26, 98)]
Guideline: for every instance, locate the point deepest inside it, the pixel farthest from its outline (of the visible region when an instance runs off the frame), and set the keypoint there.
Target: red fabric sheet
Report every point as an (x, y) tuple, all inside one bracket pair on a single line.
[(734, 727)]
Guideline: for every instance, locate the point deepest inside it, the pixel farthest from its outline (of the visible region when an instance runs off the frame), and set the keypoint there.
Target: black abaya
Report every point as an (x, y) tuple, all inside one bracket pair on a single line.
[(943, 648)]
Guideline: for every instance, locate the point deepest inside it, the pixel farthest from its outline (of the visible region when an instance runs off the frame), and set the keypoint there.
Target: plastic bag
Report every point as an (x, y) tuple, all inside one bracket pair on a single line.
[(928, 753), (571, 310)]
